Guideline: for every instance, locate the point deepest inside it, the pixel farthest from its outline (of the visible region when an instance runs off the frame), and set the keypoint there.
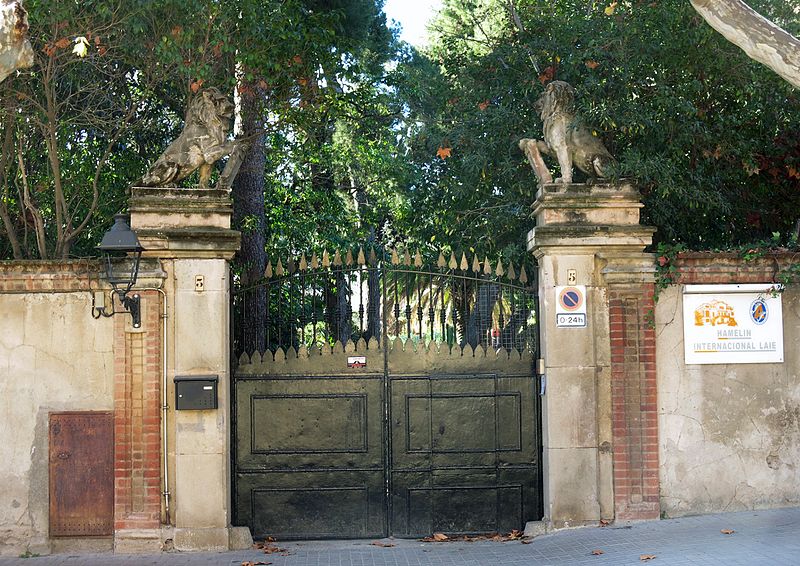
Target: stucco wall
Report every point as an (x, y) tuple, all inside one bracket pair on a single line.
[(729, 435), (53, 357)]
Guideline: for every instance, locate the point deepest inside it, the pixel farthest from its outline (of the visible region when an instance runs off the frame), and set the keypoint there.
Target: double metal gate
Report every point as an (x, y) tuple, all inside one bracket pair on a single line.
[(376, 397)]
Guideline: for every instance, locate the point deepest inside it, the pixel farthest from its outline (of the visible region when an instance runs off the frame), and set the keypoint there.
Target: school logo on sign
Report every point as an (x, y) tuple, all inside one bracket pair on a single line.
[(758, 311), (715, 313)]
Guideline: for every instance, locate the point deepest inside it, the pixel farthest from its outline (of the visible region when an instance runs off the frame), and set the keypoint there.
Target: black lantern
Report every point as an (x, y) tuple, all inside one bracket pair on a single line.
[(121, 239)]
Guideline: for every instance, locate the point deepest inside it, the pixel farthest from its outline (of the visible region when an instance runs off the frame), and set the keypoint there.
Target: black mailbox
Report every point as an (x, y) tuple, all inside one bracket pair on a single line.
[(195, 392)]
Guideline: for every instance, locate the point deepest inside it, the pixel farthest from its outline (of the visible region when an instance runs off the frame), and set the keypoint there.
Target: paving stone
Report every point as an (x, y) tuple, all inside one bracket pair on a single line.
[(760, 537)]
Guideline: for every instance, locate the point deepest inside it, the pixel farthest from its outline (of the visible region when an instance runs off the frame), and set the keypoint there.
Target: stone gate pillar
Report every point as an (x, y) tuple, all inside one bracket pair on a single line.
[(189, 231), (599, 408)]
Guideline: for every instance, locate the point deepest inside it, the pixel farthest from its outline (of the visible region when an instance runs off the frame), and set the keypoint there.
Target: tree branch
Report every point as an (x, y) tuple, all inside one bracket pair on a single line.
[(758, 37)]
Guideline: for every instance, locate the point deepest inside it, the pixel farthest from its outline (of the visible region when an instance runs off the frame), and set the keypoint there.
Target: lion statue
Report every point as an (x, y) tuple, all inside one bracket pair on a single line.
[(565, 138), (201, 144)]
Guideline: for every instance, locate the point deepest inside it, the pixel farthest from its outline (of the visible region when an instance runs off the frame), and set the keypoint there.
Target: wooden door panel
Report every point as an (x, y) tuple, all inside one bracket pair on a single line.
[(81, 474)]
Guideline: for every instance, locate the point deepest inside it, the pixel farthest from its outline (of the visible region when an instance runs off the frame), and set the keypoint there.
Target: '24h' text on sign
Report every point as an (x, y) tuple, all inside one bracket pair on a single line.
[(732, 324)]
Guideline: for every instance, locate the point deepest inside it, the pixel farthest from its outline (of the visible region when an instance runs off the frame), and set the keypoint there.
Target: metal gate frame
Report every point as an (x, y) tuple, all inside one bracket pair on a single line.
[(456, 323)]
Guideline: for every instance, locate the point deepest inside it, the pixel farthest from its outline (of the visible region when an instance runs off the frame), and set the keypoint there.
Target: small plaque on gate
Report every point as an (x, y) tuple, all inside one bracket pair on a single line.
[(356, 361)]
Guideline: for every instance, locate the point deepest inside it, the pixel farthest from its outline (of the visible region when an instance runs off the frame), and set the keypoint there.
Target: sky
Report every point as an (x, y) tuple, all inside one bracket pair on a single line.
[(412, 15)]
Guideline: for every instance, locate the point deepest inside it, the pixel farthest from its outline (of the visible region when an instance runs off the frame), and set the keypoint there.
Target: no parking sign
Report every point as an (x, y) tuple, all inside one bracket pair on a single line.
[(571, 306)]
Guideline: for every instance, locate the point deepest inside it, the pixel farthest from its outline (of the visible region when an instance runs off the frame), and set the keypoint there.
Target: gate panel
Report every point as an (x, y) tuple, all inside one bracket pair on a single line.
[(390, 398), (463, 458), (81, 474), (310, 459)]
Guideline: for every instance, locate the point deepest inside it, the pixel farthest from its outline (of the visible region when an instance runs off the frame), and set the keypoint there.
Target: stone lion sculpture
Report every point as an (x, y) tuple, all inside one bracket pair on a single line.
[(201, 144), (15, 48), (565, 138)]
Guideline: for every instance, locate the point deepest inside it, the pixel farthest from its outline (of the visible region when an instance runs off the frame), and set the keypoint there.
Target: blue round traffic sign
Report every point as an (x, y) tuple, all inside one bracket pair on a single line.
[(570, 298)]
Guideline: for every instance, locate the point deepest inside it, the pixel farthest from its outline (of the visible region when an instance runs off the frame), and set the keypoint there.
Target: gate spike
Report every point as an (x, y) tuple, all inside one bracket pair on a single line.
[(314, 261), (279, 269), (373, 259), (268, 270), (441, 263), (453, 263), (464, 264), (523, 277), (337, 259), (349, 258), (487, 267), (290, 266), (499, 271), (407, 258), (417, 260), (476, 264), (303, 262), (395, 258), (362, 260), (326, 259), (511, 273)]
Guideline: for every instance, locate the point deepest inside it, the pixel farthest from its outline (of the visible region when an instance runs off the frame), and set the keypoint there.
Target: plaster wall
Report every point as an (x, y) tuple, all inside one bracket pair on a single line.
[(53, 357), (729, 435)]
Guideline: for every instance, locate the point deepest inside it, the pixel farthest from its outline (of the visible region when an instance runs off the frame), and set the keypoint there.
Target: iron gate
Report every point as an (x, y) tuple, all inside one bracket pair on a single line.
[(376, 396)]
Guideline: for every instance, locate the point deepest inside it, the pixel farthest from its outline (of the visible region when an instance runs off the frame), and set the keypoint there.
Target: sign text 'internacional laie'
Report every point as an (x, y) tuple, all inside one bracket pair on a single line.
[(732, 324)]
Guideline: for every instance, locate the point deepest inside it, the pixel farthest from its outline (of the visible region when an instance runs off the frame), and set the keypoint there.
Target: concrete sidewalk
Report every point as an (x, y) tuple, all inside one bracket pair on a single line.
[(759, 537)]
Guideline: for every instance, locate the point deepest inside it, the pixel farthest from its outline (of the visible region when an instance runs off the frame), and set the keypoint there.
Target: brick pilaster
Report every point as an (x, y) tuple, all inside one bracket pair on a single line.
[(137, 420), (633, 402)]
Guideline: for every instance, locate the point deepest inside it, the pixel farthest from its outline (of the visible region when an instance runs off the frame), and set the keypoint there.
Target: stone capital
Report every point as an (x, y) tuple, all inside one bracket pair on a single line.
[(184, 223), (584, 219)]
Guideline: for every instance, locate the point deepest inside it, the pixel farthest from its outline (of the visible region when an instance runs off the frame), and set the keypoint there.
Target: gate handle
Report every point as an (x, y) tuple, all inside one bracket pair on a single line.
[(63, 455)]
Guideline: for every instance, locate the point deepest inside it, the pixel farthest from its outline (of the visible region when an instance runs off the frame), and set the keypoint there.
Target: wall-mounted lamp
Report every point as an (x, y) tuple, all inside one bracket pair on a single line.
[(120, 239)]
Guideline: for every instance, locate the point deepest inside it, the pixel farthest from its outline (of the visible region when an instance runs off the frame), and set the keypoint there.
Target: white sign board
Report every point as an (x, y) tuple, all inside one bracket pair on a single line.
[(571, 306), (732, 324)]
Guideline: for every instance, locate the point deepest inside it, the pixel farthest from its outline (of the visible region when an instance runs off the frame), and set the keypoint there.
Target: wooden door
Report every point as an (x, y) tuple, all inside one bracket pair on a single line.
[(81, 474)]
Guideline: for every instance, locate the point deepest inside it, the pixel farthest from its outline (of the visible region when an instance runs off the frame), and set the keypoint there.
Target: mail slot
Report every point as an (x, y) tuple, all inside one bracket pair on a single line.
[(195, 392)]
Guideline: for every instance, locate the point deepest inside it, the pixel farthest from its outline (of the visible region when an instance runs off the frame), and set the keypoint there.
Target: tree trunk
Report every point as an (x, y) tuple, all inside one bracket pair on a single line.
[(248, 216), (758, 37), (480, 318)]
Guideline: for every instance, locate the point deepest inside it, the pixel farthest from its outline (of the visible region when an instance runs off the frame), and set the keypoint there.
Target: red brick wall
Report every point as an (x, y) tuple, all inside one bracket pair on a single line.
[(634, 403), (49, 276), (137, 418), (721, 268), (137, 383), (633, 371)]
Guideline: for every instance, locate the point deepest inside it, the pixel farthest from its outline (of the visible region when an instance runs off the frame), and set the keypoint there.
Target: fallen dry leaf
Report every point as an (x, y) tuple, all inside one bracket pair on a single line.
[(727, 531), (495, 537), (647, 557), (597, 552), (444, 152), (604, 522), (251, 563), (269, 547), (382, 544)]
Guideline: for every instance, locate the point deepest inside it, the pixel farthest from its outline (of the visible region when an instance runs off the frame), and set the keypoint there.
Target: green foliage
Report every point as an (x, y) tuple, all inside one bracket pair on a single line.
[(709, 135)]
